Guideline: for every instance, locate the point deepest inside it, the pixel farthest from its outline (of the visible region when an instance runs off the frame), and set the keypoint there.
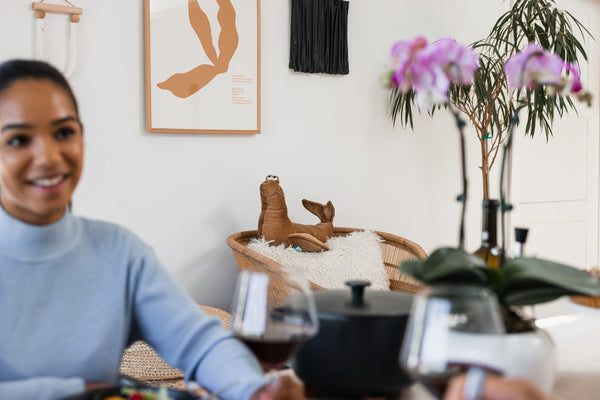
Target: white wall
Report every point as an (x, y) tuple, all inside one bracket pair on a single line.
[(326, 137)]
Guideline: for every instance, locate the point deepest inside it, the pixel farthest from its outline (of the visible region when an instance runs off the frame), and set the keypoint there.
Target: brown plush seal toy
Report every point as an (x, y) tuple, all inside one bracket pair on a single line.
[(275, 225)]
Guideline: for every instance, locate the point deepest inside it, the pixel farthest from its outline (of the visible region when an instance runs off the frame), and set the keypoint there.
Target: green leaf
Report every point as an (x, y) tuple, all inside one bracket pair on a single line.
[(522, 274), (534, 295), (448, 265), (413, 268), (522, 281), (401, 105)]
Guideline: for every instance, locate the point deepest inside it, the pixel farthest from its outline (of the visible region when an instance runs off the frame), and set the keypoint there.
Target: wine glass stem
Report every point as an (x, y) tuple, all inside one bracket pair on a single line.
[(474, 382)]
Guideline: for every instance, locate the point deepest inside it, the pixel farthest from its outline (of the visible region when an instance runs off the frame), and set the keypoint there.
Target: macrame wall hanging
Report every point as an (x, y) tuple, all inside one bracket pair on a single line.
[(74, 13), (319, 36)]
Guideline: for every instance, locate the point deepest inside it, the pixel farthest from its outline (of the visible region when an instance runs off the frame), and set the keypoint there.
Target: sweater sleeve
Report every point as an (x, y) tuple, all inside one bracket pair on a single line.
[(186, 337), (41, 388)]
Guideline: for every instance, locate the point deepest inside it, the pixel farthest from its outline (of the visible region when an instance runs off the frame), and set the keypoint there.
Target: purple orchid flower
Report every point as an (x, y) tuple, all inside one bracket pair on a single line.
[(574, 78), (429, 69), (535, 66), (532, 67), (460, 62), (404, 55)]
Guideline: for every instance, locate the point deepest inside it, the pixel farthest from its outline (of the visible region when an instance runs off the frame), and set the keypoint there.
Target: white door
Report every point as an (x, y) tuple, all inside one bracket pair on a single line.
[(555, 189), (555, 181)]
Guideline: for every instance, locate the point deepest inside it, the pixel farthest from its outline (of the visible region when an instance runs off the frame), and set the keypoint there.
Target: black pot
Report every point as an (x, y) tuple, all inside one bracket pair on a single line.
[(356, 351)]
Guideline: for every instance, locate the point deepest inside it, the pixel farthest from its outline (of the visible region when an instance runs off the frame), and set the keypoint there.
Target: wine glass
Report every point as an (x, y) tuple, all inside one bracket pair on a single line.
[(273, 314), (452, 329)]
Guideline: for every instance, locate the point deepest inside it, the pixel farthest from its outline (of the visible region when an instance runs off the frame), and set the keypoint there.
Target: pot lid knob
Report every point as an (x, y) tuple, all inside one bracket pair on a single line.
[(358, 292)]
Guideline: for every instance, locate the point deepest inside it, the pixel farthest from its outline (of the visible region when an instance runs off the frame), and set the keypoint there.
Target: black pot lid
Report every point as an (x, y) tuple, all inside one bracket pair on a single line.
[(358, 301)]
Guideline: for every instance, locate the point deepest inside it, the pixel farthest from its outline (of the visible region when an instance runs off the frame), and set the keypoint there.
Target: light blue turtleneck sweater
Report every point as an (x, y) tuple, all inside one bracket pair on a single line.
[(75, 293)]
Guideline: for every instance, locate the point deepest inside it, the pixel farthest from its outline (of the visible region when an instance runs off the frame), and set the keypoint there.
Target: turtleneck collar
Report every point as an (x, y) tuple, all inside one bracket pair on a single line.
[(26, 242)]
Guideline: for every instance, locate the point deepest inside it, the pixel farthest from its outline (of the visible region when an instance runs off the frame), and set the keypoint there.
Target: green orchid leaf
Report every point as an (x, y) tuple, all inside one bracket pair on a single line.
[(412, 268), (525, 274), (448, 265), (534, 295)]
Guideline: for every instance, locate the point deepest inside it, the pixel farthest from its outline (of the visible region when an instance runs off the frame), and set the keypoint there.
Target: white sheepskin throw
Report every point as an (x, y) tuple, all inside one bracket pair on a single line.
[(352, 257)]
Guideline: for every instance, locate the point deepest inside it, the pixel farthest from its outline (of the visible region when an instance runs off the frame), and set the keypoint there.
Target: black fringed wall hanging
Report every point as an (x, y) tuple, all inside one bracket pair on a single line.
[(319, 36)]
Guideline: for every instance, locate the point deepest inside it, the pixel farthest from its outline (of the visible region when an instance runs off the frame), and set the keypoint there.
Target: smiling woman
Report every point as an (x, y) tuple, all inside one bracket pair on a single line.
[(41, 151), (75, 292)]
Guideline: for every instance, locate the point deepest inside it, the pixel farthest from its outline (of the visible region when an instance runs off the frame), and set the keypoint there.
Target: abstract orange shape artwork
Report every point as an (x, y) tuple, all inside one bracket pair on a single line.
[(187, 83)]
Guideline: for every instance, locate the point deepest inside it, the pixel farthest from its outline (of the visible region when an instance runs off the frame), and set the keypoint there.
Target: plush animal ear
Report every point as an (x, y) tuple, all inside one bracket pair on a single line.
[(312, 206), (329, 211), (315, 208)]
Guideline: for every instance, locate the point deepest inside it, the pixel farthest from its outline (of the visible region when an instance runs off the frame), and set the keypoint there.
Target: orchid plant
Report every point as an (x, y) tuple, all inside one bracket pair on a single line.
[(428, 70), (489, 102)]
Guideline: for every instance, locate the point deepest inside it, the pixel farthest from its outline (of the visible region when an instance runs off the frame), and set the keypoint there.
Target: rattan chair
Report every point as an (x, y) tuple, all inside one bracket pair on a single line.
[(588, 301), (142, 363), (394, 249)]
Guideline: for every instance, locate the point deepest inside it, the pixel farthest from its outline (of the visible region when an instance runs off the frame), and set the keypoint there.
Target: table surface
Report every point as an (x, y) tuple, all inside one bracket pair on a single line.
[(577, 340)]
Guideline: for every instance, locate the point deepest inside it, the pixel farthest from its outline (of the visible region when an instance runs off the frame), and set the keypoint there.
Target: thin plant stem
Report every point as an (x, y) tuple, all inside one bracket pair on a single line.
[(506, 167), (507, 156), (460, 124)]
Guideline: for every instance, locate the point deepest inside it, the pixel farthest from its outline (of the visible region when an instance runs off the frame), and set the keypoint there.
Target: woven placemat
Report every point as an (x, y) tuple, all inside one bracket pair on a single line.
[(223, 315), (141, 362)]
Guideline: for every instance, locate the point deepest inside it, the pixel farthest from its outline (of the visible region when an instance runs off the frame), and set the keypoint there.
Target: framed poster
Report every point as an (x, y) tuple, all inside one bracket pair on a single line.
[(202, 66)]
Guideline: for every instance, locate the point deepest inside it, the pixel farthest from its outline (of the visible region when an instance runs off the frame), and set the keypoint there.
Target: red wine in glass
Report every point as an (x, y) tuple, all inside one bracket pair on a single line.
[(273, 314), (273, 353)]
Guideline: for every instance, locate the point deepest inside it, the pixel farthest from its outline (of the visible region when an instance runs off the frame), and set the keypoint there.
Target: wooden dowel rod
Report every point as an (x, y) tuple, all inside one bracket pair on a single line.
[(55, 8)]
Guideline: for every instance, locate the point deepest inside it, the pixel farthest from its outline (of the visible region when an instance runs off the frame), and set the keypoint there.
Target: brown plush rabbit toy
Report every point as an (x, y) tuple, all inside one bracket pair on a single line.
[(275, 225)]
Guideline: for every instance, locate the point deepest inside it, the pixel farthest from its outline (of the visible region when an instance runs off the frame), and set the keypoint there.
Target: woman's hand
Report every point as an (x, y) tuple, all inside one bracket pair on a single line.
[(284, 387), (496, 388)]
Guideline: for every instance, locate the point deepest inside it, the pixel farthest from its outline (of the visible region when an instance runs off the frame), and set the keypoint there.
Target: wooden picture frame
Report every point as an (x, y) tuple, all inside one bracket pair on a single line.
[(202, 66)]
